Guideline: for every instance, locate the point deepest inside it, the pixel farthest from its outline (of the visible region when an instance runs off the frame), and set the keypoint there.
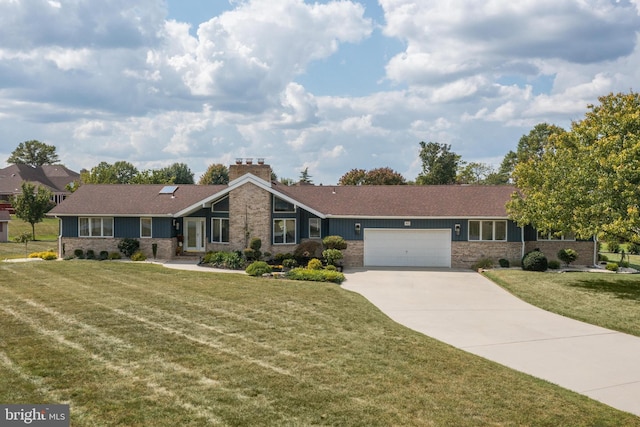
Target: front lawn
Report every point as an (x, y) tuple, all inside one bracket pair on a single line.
[(604, 299), (142, 345)]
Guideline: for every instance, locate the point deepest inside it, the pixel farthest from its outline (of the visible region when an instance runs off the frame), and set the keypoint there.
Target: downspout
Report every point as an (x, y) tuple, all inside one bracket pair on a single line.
[(523, 243), (595, 250)]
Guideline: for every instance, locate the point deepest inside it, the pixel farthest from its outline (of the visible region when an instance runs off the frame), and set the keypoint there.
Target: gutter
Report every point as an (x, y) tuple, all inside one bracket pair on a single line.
[(523, 243)]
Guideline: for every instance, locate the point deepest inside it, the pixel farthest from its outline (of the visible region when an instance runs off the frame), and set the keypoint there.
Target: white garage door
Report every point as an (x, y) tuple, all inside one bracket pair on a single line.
[(407, 248)]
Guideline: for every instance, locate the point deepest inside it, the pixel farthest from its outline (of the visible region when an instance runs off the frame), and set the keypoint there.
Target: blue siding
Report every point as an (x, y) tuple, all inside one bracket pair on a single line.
[(347, 227), (69, 226), (124, 227)]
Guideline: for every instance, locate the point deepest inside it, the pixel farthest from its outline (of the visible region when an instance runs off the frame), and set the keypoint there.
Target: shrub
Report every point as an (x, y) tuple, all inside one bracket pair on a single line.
[(78, 253), (115, 255), (554, 264), (504, 263), (334, 242), (633, 248), (255, 244), (315, 264), (46, 255), (280, 257), (138, 256), (103, 255), (128, 246), (332, 256), (535, 261), (289, 263), (224, 259), (331, 268), (612, 266), (91, 254), (613, 246), (307, 250), (624, 264), (251, 254), (258, 268), (316, 275), (602, 257), (567, 255), (482, 263)]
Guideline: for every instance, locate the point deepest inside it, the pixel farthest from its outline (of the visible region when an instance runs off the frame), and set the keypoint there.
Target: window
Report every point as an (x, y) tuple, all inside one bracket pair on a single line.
[(146, 227), (280, 205), (95, 227), (314, 228), (221, 205), (284, 231), (220, 230), (488, 230), (556, 236)]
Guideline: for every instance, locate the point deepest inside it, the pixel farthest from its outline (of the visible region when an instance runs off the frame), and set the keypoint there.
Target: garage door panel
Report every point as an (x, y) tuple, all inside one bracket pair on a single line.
[(407, 248)]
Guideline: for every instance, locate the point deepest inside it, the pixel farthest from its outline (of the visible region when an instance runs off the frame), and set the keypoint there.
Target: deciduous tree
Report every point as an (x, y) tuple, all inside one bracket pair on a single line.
[(32, 205), (586, 180), (180, 172), (33, 153), (353, 177), (439, 164), (216, 174), (121, 172)]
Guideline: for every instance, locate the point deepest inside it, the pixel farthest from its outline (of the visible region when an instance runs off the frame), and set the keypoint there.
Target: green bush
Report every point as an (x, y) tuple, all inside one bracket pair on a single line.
[(258, 268), (78, 253), (314, 264), (612, 266), (624, 264), (91, 254), (289, 263), (535, 261), (567, 255), (633, 248), (482, 263), (46, 255), (103, 255), (504, 263), (334, 242), (128, 246), (224, 259), (251, 254), (255, 244), (602, 257), (316, 275), (138, 256), (613, 246), (115, 255), (331, 268), (554, 264), (332, 256)]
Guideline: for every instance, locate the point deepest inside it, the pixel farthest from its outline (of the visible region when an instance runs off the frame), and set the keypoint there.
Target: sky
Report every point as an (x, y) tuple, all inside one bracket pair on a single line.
[(326, 86)]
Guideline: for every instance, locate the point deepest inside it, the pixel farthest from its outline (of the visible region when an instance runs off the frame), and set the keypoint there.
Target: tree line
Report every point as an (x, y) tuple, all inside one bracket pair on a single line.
[(584, 181)]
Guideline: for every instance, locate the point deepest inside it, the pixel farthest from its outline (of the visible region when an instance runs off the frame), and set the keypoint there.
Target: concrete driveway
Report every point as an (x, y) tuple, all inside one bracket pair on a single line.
[(468, 311)]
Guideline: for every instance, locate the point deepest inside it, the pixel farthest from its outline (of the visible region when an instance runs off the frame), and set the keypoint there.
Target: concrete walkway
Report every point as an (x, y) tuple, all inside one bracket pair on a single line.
[(468, 311)]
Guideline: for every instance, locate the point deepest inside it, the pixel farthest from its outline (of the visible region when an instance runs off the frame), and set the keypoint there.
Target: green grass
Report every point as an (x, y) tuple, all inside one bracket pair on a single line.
[(608, 300), (141, 345), (45, 230)]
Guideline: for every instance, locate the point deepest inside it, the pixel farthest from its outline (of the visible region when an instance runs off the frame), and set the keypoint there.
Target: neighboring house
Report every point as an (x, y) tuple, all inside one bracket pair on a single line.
[(5, 217), (400, 225), (54, 178)]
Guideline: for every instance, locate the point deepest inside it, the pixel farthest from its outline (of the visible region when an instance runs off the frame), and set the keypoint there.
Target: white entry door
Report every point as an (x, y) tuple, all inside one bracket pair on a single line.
[(195, 233)]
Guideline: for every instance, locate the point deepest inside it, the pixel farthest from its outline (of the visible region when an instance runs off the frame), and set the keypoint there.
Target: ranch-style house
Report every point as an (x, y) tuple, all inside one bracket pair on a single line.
[(450, 226)]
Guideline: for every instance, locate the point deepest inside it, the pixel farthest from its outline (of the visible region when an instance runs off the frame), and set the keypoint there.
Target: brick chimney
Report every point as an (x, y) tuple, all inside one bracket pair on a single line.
[(248, 166)]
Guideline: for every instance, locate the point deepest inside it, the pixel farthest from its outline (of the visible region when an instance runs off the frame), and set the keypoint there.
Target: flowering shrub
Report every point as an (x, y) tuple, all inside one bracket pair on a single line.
[(314, 264), (46, 255)]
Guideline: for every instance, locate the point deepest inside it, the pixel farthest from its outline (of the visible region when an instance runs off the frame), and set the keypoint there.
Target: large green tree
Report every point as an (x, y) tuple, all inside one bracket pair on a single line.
[(474, 173), (439, 164), (121, 172), (33, 153), (180, 172), (377, 176), (32, 205), (586, 180), (216, 174)]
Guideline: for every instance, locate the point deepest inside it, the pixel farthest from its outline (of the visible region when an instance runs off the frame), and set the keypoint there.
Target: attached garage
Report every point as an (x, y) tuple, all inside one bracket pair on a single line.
[(407, 248)]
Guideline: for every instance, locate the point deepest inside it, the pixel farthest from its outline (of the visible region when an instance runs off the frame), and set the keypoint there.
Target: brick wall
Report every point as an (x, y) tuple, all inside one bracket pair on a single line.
[(354, 254), (465, 254), (261, 171), (250, 216), (551, 248), (166, 247)]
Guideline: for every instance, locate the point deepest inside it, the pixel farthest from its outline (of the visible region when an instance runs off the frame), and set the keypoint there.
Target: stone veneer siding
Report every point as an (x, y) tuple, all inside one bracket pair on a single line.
[(465, 254), (166, 247)]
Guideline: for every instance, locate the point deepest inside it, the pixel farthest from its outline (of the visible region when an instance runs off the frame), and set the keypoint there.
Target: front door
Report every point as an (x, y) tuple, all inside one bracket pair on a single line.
[(195, 234)]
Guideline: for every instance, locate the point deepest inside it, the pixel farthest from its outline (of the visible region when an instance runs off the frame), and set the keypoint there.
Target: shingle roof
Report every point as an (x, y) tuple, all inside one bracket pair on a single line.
[(53, 177), (414, 201), (134, 200), (404, 200)]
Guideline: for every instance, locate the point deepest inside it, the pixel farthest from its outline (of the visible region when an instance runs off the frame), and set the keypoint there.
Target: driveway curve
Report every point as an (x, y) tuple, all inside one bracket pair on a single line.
[(468, 311)]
